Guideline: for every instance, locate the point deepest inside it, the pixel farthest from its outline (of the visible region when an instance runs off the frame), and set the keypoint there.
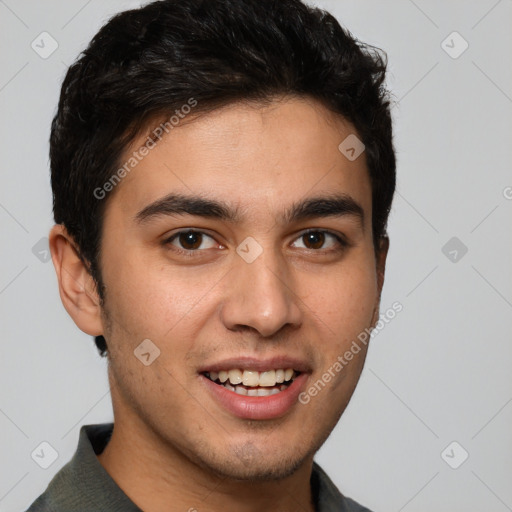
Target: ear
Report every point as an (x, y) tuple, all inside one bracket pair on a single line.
[(380, 269), (77, 288)]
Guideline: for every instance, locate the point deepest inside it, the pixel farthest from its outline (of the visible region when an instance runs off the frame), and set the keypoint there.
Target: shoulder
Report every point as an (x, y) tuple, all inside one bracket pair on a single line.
[(82, 484), (353, 506), (327, 496)]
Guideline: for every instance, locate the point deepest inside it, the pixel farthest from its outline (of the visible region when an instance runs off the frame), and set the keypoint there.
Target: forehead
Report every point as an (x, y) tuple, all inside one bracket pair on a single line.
[(256, 158)]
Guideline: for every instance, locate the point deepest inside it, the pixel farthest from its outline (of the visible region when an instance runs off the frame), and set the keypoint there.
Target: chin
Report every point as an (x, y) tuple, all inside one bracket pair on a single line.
[(248, 463), (262, 473)]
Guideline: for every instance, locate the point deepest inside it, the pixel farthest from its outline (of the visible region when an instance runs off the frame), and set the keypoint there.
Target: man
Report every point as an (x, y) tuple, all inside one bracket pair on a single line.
[(222, 173)]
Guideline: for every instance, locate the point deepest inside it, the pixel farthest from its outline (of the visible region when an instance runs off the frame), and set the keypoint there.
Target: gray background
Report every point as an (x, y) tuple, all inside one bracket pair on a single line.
[(438, 373)]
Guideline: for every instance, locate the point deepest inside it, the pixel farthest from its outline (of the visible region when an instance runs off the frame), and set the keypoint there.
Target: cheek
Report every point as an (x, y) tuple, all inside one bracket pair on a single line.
[(151, 301), (345, 304), (343, 310)]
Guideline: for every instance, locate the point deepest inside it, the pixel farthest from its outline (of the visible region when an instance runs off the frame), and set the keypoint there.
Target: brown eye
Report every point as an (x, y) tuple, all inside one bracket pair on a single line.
[(189, 240), (320, 240), (314, 239)]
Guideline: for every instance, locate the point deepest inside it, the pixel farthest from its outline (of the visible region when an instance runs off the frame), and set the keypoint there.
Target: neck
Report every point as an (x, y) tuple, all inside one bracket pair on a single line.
[(156, 476)]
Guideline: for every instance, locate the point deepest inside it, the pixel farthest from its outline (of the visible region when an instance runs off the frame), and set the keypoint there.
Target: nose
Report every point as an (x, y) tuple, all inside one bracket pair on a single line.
[(260, 296)]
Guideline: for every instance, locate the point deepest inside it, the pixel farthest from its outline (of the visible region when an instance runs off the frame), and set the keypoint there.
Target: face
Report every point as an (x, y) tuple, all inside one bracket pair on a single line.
[(240, 246)]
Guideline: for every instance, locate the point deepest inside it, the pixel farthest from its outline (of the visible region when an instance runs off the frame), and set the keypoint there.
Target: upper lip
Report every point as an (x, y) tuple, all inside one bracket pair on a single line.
[(260, 365)]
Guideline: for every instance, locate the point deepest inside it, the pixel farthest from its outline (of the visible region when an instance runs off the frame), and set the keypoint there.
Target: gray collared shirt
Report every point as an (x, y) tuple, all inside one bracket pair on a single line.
[(83, 485)]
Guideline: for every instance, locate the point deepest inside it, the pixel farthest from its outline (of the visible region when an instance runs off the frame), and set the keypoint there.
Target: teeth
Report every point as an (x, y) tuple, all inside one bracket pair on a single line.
[(251, 378), (254, 391), (257, 390), (268, 378), (253, 383), (235, 376)]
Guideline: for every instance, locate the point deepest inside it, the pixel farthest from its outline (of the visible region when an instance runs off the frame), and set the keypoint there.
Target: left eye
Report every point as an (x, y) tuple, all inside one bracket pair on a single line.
[(316, 239), (192, 240)]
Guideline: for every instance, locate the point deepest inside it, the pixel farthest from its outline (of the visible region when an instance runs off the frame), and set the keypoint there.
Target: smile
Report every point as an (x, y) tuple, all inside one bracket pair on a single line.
[(252, 382)]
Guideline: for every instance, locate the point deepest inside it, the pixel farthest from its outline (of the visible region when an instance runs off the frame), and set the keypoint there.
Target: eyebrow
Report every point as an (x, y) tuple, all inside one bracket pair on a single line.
[(338, 205)]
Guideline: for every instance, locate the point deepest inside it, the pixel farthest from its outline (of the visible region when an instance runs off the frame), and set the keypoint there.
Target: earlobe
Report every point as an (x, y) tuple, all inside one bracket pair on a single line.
[(76, 286)]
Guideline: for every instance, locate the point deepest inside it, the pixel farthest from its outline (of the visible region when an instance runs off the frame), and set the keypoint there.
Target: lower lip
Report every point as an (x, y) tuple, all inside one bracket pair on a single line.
[(257, 407)]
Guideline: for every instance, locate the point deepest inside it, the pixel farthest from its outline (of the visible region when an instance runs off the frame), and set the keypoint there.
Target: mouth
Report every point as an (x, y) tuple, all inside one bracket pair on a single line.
[(256, 389), (252, 382)]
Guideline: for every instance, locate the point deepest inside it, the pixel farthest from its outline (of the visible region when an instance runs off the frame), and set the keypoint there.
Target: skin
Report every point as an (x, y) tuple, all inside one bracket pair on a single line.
[(173, 446)]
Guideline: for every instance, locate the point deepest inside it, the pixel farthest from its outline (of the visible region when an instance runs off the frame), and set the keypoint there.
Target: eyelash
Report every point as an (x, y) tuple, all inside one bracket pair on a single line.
[(343, 244)]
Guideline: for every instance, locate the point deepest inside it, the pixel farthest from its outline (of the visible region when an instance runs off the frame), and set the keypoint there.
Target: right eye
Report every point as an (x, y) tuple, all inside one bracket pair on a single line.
[(189, 241)]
